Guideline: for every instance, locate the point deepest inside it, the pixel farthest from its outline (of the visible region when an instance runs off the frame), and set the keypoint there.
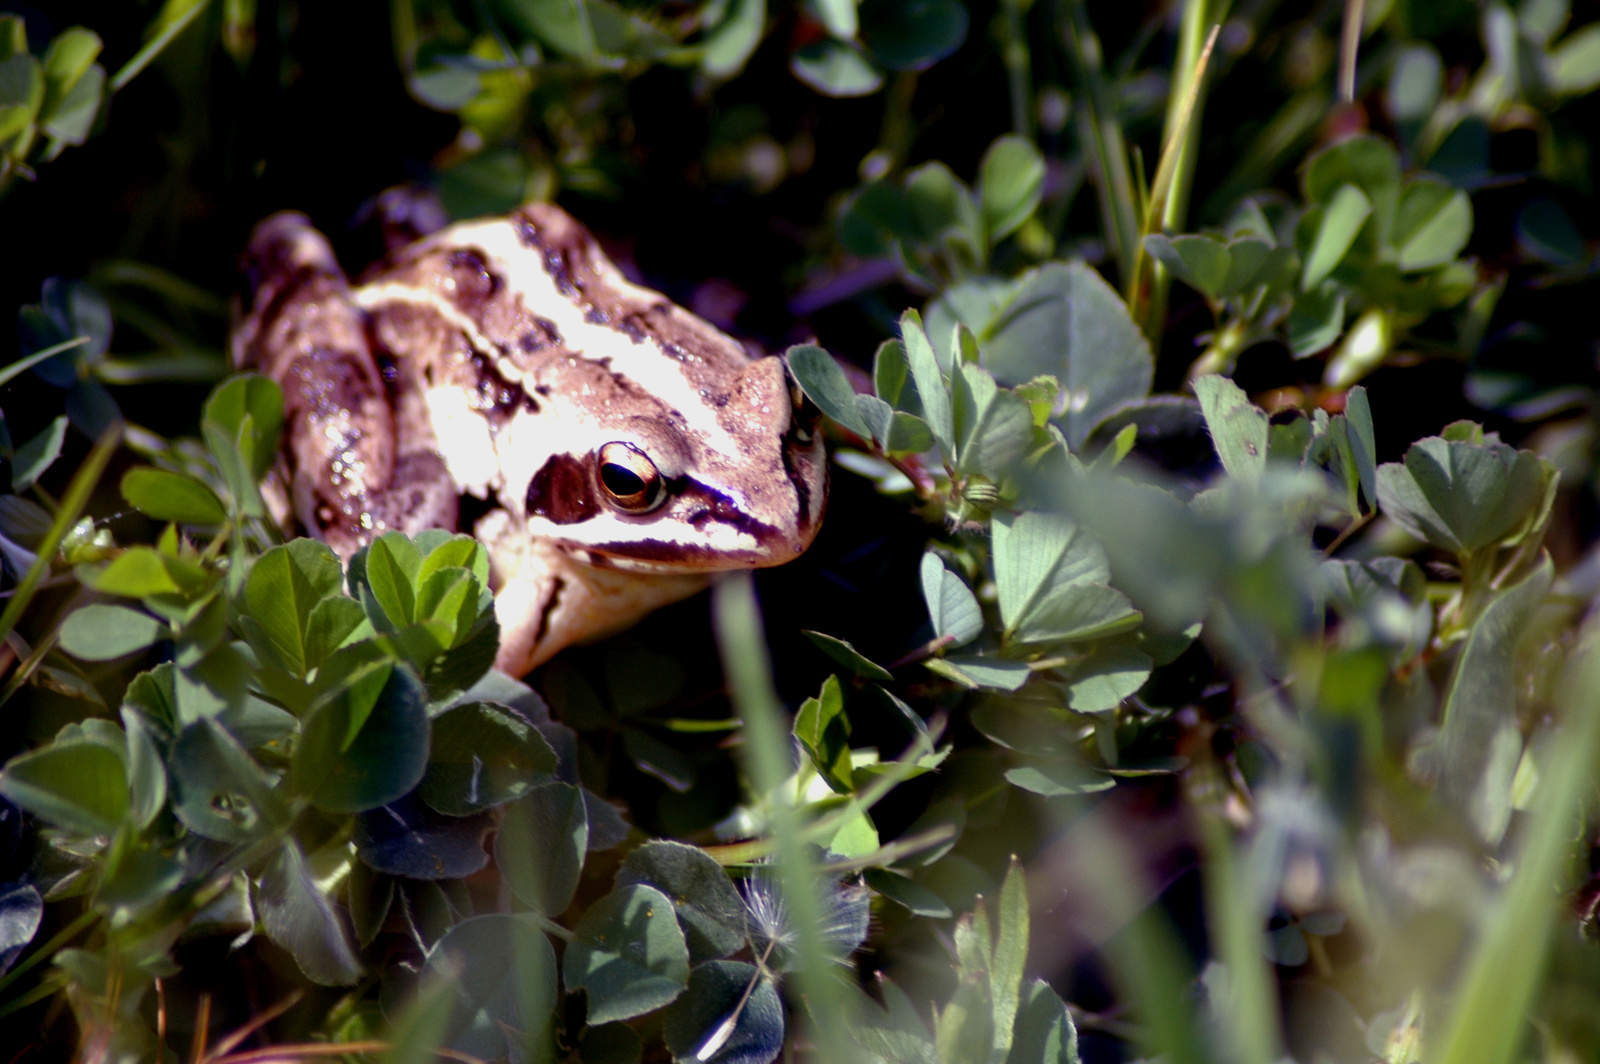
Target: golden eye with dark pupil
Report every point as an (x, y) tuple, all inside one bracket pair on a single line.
[(629, 478)]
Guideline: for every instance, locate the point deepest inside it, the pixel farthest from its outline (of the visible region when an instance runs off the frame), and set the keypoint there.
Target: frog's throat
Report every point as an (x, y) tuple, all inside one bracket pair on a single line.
[(546, 599)]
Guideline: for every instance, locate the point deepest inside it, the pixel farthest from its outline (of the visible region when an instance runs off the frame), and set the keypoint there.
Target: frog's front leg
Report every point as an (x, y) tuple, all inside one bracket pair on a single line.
[(351, 475)]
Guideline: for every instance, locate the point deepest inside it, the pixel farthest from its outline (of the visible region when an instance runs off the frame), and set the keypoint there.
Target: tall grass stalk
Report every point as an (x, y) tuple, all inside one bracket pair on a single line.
[(1489, 1017), (1100, 129), (1198, 15), (1184, 126), (737, 620)]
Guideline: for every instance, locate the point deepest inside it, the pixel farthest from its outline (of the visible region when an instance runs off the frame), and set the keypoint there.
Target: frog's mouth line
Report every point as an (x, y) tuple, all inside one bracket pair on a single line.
[(671, 556)]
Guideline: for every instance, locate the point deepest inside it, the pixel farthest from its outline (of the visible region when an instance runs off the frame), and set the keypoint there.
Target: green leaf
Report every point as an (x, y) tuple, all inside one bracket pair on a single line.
[(21, 913), (236, 399), (731, 44), (1239, 429), (908, 434), (299, 917), (406, 838), (1111, 673), (1201, 262), (1575, 62), (1061, 320), (1316, 319), (1367, 163), (708, 1023), (357, 752), (1547, 234), (709, 908), (890, 371), (1480, 739), (1253, 263), (71, 118), (823, 731), (1462, 496), (37, 455), (103, 633), (79, 785), (628, 954), (874, 221), (1044, 1032), (22, 87), (147, 774), (848, 656), (541, 845), (1010, 182), (455, 552), (1010, 954), (483, 756), (68, 59), (919, 900), (993, 427), (974, 671), (1057, 780), (925, 374), (939, 204), (835, 68), (491, 182), (951, 605), (168, 496), (284, 586), (838, 17), (506, 990), (1363, 441), (1051, 581), (562, 24), (913, 36), (393, 564), (1432, 224), (137, 572), (877, 416), (332, 621), (448, 598), (217, 789), (1336, 224), (826, 385)]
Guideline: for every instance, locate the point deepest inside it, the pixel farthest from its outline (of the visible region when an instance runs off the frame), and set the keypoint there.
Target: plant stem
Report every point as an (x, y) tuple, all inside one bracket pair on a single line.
[(1100, 128), (83, 482), (1019, 67)]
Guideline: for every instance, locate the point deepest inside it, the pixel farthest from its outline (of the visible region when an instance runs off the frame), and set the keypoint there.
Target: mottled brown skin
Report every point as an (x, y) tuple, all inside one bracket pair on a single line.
[(501, 359)]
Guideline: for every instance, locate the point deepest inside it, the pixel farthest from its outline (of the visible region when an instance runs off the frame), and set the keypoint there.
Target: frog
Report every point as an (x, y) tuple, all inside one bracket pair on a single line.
[(611, 450)]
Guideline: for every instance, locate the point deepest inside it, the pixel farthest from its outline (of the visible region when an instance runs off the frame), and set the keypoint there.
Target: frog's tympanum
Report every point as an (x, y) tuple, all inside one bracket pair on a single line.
[(617, 447)]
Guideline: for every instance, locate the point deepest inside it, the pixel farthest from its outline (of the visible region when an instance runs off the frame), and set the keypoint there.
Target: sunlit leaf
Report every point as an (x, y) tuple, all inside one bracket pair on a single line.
[(628, 954), (541, 844), (709, 908)]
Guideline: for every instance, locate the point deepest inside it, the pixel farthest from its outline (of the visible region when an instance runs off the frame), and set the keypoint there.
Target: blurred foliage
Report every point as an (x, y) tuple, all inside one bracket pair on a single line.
[(1196, 662)]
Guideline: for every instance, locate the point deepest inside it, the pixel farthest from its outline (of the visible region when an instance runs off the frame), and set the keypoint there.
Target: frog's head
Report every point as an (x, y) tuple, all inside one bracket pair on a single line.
[(737, 481), (647, 440)]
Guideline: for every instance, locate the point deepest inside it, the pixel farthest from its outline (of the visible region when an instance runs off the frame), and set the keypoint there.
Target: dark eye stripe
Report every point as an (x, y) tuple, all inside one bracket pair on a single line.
[(560, 492)]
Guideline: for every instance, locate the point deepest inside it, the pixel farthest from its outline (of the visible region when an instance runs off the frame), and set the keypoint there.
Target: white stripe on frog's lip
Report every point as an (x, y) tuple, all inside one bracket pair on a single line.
[(598, 532), (642, 362)]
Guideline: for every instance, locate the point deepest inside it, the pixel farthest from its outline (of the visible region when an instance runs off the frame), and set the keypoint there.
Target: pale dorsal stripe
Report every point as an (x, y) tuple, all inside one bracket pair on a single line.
[(646, 364)]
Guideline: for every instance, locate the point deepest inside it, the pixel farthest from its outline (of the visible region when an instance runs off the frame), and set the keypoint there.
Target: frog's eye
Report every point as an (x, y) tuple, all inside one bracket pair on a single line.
[(631, 481)]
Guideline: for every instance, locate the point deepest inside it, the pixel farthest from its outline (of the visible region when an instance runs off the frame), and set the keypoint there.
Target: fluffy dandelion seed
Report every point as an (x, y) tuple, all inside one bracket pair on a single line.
[(843, 910)]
